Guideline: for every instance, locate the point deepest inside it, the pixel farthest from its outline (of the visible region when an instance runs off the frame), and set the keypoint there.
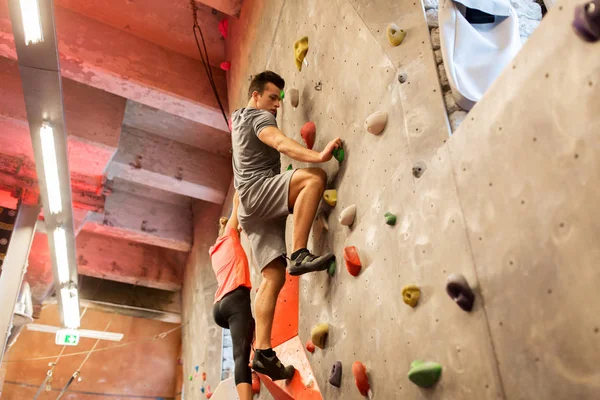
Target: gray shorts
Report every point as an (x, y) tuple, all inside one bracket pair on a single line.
[(262, 213)]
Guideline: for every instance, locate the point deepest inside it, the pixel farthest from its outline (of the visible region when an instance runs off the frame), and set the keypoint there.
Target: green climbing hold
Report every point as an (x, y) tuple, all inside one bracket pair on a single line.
[(191, 377), (331, 269), (390, 218), (282, 95), (338, 154), (289, 168), (424, 373)]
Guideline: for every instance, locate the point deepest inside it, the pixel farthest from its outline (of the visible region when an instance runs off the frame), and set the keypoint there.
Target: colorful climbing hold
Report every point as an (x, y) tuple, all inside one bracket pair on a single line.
[(294, 97), (390, 218), (347, 215), (331, 268), (376, 122), (353, 264), (224, 27), (335, 378), (319, 334), (202, 389), (394, 34), (208, 395), (310, 346), (308, 132), (424, 373), (196, 368), (359, 370), (289, 168), (225, 65), (204, 376), (191, 377), (330, 197), (338, 154), (255, 383), (300, 49), (587, 21), (419, 169), (282, 95), (411, 295), (459, 290)]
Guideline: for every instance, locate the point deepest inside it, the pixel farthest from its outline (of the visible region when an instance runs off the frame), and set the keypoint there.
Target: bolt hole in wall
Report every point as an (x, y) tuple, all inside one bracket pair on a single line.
[(529, 13)]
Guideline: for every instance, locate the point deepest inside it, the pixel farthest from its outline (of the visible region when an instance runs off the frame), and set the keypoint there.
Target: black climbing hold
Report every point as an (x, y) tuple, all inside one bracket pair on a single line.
[(402, 77), (419, 169), (587, 21), (336, 374), (459, 290)]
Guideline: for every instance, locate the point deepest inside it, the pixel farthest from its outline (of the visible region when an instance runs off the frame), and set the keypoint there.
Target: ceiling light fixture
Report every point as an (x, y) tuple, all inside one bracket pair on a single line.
[(50, 168), (32, 24)]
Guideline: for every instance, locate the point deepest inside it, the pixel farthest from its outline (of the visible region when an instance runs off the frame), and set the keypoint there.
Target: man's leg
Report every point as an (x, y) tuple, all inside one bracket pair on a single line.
[(265, 360), (266, 298), (306, 188)]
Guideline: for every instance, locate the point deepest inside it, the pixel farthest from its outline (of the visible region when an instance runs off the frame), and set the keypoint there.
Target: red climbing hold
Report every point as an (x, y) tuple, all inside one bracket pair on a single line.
[(255, 383), (204, 376), (352, 260), (310, 346), (223, 27), (308, 133), (208, 395), (225, 65), (360, 378)]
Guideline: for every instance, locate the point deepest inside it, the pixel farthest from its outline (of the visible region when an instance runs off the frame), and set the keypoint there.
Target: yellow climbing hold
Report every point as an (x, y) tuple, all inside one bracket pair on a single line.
[(394, 34), (319, 334), (330, 197), (300, 49), (411, 294)]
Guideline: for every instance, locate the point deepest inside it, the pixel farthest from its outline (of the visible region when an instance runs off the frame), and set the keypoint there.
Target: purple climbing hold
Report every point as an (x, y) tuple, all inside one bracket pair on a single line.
[(587, 21), (336, 374), (459, 290)]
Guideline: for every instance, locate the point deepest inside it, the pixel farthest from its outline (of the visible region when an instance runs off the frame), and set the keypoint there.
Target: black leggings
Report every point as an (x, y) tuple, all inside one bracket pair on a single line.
[(233, 312)]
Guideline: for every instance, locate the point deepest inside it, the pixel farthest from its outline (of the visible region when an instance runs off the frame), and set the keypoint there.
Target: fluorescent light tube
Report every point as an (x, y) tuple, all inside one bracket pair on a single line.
[(60, 251), (32, 25), (70, 307), (50, 169)]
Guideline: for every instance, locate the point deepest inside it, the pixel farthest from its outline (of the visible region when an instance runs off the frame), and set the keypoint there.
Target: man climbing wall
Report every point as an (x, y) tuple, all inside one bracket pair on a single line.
[(267, 197)]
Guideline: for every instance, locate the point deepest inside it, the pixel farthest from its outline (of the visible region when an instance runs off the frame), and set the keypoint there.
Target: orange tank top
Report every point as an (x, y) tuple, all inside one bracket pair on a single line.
[(230, 264)]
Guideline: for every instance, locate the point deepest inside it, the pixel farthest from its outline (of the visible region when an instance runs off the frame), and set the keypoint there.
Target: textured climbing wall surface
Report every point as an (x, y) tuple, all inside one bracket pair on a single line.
[(508, 202), (526, 166), (201, 337)]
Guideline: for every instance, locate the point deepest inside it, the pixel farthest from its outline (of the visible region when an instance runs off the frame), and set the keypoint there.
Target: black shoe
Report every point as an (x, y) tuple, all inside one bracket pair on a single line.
[(271, 366), (307, 262)]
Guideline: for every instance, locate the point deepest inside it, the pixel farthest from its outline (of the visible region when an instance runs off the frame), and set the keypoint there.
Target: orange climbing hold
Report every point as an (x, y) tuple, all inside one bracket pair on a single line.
[(360, 378), (310, 346), (255, 383), (308, 132), (300, 49), (352, 260), (204, 376)]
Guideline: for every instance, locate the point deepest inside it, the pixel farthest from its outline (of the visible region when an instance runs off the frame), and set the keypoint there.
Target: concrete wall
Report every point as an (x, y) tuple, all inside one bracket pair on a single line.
[(201, 338), (508, 201)]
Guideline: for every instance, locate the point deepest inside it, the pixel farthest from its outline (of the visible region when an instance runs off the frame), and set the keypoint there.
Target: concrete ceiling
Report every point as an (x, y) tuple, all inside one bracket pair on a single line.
[(146, 135)]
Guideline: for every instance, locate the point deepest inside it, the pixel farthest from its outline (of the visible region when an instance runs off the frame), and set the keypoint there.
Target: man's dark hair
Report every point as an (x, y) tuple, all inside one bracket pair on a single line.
[(260, 81)]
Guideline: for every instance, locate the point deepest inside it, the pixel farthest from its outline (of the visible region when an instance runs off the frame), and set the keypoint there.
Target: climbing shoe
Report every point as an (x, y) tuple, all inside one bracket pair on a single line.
[(306, 262), (271, 366)]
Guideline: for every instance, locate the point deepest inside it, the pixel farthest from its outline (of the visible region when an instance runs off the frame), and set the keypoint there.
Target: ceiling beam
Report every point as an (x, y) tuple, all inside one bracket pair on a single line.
[(144, 220), (229, 7), (171, 166), (94, 120), (128, 262), (120, 63)]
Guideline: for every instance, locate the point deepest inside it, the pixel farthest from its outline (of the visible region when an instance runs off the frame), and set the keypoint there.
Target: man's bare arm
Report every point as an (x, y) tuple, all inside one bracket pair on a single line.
[(273, 137)]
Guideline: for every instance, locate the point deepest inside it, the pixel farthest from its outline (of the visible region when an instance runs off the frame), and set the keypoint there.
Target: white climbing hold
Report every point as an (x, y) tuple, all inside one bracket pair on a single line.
[(376, 122), (347, 215)]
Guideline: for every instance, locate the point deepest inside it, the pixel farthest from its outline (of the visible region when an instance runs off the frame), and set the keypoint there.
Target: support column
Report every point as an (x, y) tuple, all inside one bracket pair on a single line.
[(14, 267)]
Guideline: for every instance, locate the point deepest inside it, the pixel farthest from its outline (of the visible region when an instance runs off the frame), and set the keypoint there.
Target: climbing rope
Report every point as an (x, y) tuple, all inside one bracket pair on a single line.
[(206, 63)]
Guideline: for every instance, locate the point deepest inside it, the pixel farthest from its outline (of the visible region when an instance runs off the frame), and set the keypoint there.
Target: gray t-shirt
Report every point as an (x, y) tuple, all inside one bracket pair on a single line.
[(252, 159)]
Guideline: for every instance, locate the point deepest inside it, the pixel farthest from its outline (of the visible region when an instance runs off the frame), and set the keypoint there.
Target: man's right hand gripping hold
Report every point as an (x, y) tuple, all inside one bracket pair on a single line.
[(267, 196)]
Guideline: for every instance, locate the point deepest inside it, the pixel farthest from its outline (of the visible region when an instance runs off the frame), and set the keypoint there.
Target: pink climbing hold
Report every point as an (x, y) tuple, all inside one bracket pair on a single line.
[(223, 27), (308, 132), (225, 65), (230, 125)]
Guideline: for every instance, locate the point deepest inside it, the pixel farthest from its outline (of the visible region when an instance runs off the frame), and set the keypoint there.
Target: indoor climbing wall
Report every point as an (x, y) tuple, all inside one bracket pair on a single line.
[(507, 201)]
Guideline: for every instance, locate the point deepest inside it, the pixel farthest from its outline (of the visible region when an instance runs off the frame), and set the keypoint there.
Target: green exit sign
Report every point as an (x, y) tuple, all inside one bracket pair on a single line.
[(67, 337)]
